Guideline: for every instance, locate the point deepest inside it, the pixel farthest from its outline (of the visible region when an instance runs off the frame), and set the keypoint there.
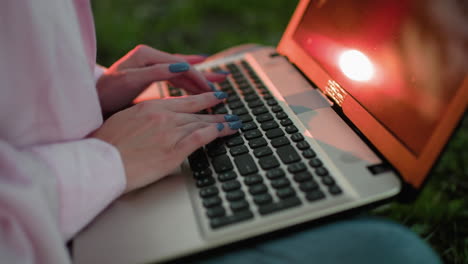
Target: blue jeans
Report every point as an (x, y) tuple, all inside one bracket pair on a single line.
[(361, 240)]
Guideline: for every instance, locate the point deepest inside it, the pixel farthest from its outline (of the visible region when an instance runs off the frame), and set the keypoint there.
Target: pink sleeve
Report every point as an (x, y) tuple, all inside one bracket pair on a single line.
[(45, 187)]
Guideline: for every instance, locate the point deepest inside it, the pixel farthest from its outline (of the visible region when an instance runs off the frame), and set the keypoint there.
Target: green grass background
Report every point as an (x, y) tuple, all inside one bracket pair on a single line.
[(439, 215)]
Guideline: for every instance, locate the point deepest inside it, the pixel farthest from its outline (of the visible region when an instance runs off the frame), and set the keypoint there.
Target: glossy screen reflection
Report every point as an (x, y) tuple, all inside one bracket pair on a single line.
[(401, 60)]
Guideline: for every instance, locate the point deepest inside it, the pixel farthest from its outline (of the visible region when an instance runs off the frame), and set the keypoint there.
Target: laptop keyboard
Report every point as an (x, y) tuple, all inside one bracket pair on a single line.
[(266, 167)]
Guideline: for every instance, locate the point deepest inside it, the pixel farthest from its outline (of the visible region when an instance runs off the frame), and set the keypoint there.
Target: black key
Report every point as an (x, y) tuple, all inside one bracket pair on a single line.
[(263, 151), (245, 164), (258, 189), (275, 174), (321, 171), (309, 153), (280, 183), (315, 195), (239, 205), (267, 96), (215, 212), (291, 129), (268, 162), (286, 122), (288, 154), (232, 98), (303, 176), (281, 115), (198, 161), (271, 102), (303, 145), (308, 186), (235, 104), (228, 220), (231, 186), (202, 173), (234, 141), (209, 191), (280, 205), (215, 150), (274, 133), (264, 117), (227, 176), (327, 180), (212, 201), (296, 137), (205, 182), (334, 189), (315, 163), (222, 163), (248, 126), (297, 167), (278, 142), (248, 91), (238, 150), (251, 134), (262, 199), (284, 193), (240, 111), (269, 125), (259, 110), (251, 97), (276, 109), (235, 195), (220, 110), (258, 142), (253, 179), (245, 118), (255, 103)]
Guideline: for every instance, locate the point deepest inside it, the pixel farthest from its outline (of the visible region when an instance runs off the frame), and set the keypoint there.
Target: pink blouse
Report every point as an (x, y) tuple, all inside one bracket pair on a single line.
[(53, 180)]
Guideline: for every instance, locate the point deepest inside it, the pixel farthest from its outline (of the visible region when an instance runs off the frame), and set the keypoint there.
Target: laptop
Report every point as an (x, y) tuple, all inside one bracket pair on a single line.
[(354, 105)]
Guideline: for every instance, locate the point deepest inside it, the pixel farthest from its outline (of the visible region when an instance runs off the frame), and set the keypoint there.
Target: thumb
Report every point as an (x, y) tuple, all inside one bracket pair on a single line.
[(157, 72)]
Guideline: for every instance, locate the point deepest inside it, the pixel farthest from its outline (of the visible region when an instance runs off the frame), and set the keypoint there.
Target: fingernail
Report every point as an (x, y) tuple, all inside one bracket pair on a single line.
[(230, 118), (179, 67), (219, 126), (235, 125), (223, 72), (220, 95), (212, 86)]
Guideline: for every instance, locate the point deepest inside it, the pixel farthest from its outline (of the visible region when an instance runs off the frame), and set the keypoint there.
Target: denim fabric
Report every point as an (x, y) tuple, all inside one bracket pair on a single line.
[(356, 241)]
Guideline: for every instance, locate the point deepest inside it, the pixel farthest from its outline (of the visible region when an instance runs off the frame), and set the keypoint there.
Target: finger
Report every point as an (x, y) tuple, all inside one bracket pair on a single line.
[(157, 72), (198, 79), (205, 135), (186, 84), (194, 103), (216, 76), (192, 59), (190, 118)]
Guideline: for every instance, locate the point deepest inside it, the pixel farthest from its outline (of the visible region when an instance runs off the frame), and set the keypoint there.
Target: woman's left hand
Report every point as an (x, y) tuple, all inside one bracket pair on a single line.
[(130, 75)]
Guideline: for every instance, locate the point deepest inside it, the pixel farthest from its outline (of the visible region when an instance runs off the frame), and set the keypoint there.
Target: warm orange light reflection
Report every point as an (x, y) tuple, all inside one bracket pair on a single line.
[(356, 66)]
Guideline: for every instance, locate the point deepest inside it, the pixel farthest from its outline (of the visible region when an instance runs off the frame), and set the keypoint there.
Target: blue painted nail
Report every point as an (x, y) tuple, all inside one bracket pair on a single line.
[(219, 126), (235, 125), (230, 118), (179, 67), (212, 86), (220, 95), (223, 72)]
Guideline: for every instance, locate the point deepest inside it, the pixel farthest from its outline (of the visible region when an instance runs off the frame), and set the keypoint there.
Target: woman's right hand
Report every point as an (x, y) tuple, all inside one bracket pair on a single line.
[(154, 137)]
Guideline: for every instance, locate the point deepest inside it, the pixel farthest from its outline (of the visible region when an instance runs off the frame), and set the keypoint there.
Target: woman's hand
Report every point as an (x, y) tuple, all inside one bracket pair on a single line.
[(130, 75), (154, 137)]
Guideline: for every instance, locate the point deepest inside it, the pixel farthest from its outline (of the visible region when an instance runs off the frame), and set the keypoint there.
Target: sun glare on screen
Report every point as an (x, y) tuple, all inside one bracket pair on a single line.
[(356, 66)]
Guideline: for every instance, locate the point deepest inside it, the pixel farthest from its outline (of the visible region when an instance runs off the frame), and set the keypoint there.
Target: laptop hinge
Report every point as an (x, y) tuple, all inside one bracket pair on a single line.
[(335, 92)]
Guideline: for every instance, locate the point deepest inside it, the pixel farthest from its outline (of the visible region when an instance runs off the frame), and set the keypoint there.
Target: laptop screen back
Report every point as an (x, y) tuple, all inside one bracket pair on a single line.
[(403, 62)]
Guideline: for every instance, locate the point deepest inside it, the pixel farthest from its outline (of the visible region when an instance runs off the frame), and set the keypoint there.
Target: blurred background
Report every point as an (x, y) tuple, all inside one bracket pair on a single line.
[(440, 213)]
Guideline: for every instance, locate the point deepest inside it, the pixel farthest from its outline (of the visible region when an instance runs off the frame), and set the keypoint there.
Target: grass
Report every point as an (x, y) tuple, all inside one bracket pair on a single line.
[(440, 213)]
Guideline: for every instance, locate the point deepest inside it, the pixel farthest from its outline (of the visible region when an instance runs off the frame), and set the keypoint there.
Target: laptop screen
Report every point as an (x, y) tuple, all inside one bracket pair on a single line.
[(401, 60)]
